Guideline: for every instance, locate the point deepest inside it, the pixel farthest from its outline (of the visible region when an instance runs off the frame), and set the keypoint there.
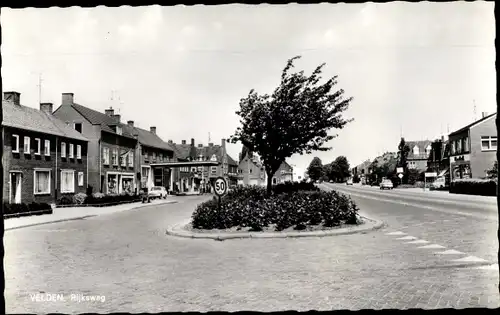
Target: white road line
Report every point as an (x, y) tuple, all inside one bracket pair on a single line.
[(418, 242), (489, 267), (450, 252), (470, 259), (407, 238), (432, 222), (396, 233), (433, 246)]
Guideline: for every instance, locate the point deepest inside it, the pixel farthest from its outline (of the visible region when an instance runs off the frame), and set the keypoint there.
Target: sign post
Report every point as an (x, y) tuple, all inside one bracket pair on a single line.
[(220, 187), (428, 174)]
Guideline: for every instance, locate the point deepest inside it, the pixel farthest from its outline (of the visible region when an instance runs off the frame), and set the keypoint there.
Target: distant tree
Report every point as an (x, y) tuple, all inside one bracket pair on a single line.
[(340, 169), (493, 172), (295, 119), (315, 170), (403, 150), (327, 171)]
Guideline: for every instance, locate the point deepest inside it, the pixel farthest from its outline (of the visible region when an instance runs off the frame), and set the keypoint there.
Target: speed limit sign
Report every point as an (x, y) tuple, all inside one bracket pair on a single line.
[(220, 186)]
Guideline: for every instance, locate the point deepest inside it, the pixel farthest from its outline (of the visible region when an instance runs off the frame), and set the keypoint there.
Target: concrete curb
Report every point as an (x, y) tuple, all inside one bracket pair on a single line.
[(179, 231), (85, 216)]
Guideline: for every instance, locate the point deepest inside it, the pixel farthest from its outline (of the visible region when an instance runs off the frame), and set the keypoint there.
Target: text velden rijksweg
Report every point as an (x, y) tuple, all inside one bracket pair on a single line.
[(61, 297)]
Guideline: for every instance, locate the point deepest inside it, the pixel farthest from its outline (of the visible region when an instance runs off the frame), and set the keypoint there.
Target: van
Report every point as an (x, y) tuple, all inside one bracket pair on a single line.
[(440, 182)]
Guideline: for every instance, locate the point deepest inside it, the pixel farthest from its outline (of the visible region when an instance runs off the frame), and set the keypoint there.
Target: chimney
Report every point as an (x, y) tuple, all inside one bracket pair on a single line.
[(192, 142), (183, 142), (14, 97), (200, 145), (116, 118), (210, 144), (153, 130), (46, 108), (442, 138), (223, 144), (485, 114), (130, 123), (67, 98), (109, 112), (170, 142)]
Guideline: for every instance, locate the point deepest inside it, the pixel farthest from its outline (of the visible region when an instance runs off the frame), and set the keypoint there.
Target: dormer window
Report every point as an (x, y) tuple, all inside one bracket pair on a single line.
[(119, 130), (428, 149), (213, 158), (415, 150)]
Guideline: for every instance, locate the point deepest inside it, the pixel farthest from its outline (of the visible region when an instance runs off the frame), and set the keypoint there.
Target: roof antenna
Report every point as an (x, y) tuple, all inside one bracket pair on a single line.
[(475, 116)]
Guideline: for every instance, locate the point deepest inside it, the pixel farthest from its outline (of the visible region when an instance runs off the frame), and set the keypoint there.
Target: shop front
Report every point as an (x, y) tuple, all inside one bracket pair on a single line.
[(118, 183), (460, 167)]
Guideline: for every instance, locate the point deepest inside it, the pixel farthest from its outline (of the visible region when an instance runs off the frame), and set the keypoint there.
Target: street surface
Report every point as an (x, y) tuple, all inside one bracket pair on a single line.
[(127, 258)]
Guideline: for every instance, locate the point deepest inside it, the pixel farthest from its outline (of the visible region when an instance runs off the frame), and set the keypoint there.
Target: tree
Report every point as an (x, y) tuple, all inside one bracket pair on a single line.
[(493, 172), (295, 119), (403, 150), (315, 169), (340, 169), (245, 152)]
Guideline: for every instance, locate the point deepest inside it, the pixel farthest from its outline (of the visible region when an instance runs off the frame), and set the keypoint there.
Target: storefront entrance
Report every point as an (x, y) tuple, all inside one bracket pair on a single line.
[(118, 183)]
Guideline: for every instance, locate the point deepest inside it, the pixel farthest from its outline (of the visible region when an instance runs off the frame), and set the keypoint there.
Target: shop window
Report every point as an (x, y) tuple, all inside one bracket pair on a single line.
[(112, 184)]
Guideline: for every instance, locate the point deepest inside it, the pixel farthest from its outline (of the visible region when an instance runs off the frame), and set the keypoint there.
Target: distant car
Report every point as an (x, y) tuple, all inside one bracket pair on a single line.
[(440, 182), (331, 181), (386, 184), (158, 192), (349, 182)]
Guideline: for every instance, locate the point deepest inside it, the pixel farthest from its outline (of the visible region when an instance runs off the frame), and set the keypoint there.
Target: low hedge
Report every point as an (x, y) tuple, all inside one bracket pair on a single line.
[(481, 187), (15, 208), (82, 199), (250, 207)]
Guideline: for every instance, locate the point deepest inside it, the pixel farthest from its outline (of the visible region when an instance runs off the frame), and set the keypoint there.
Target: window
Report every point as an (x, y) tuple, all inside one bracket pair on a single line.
[(47, 147), (63, 149), (15, 143), (71, 150), (78, 151), (193, 169), (131, 159), (105, 156), (453, 148), (488, 143), (42, 182), (119, 130), (428, 149), (160, 157), (78, 127), (200, 168), (213, 158), (67, 181), (154, 156), (38, 143), (123, 159), (466, 144), (114, 157), (26, 143), (213, 169), (458, 146), (250, 171), (415, 150), (80, 179)]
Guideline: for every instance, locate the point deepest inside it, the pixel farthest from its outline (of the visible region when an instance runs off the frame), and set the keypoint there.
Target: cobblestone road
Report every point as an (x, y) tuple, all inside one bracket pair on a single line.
[(127, 258)]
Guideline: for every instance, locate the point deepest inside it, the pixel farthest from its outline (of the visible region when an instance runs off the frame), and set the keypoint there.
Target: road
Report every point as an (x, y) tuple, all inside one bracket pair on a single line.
[(127, 258)]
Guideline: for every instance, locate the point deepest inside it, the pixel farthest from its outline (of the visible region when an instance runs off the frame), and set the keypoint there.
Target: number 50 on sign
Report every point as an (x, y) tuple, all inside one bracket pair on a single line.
[(220, 186)]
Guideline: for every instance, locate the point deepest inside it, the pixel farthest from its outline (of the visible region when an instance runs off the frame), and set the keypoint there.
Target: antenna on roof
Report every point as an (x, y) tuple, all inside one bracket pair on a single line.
[(40, 88), (475, 116), (209, 138)]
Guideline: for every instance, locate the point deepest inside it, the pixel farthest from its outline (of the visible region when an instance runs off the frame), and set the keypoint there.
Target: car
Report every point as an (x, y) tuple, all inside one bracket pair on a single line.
[(439, 183), (349, 182), (157, 192), (386, 184)]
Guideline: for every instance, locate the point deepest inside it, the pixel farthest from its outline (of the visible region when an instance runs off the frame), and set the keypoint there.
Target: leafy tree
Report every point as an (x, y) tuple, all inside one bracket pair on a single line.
[(493, 172), (327, 171), (403, 150), (315, 169), (295, 119), (340, 169)]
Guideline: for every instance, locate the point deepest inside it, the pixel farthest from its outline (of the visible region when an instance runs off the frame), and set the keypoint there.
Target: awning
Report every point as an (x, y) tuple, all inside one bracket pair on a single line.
[(444, 172)]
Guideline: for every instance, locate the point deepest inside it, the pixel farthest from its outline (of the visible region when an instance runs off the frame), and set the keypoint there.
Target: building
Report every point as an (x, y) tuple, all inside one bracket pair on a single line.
[(362, 171), (252, 172), (198, 166), (419, 154), (113, 167), (439, 158), (43, 158), (298, 174), (473, 148)]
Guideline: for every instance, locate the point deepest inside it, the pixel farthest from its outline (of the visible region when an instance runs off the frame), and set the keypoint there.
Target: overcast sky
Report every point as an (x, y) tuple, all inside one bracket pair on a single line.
[(415, 67)]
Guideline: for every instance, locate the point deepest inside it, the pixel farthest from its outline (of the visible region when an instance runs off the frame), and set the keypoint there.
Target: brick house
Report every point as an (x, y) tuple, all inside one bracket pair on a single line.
[(191, 178), (252, 172), (43, 158), (473, 148), (151, 149), (419, 154), (112, 167)]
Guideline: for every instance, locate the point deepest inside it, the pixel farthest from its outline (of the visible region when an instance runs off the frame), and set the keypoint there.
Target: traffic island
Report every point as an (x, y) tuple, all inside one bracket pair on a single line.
[(185, 230)]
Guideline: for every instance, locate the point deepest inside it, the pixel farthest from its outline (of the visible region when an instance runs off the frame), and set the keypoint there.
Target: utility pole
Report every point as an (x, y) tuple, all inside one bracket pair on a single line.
[(40, 88)]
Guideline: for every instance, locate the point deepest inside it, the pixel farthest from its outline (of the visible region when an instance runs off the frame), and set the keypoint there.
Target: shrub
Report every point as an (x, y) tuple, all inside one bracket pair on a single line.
[(250, 207), (99, 198), (482, 187), (6, 207), (65, 200), (289, 187), (79, 198)]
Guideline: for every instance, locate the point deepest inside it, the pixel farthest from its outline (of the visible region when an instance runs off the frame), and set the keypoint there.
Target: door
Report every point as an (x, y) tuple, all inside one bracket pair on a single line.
[(15, 184)]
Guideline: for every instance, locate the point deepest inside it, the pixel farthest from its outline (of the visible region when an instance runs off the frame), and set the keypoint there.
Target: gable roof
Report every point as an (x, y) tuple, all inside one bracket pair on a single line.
[(209, 151), (472, 124), (28, 118), (181, 151), (422, 145), (147, 138)]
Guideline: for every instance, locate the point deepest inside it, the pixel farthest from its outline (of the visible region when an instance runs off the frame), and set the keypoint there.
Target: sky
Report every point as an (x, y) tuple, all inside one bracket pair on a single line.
[(413, 69)]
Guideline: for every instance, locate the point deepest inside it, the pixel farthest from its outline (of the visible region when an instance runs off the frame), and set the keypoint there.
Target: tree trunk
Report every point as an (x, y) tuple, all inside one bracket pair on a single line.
[(498, 196), (269, 184)]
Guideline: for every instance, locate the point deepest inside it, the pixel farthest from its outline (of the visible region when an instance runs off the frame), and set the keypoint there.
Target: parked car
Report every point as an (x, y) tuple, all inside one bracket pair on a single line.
[(349, 182), (158, 192), (440, 182), (386, 184)]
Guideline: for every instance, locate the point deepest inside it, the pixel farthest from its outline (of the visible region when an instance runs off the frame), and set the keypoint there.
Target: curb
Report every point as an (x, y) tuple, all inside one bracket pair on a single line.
[(178, 231), (83, 217)]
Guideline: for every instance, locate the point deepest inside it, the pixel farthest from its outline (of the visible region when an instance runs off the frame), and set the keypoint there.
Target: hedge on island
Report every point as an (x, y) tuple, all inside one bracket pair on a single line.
[(82, 199), (481, 187), (290, 205)]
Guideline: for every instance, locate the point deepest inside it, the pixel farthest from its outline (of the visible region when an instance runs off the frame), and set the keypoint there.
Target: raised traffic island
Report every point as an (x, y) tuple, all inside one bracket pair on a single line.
[(291, 210)]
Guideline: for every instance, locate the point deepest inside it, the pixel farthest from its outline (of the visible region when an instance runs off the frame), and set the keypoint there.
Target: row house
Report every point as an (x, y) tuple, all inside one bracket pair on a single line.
[(473, 148), (43, 158), (195, 173), (252, 172), (362, 171), (439, 158), (112, 167), (419, 154)]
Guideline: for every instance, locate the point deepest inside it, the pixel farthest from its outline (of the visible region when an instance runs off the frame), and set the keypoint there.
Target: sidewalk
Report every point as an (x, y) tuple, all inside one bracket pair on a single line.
[(66, 214)]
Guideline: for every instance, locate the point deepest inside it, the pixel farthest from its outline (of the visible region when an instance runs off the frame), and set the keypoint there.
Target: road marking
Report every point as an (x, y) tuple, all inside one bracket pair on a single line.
[(418, 242), (395, 233), (469, 259), (433, 246), (432, 222), (450, 252), (407, 238), (489, 267)]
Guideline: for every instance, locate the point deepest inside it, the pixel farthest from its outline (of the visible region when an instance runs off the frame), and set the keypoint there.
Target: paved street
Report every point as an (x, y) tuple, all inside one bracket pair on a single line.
[(127, 258)]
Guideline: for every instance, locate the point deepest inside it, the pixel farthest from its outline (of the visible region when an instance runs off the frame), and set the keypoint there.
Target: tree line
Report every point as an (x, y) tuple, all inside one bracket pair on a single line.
[(337, 170)]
